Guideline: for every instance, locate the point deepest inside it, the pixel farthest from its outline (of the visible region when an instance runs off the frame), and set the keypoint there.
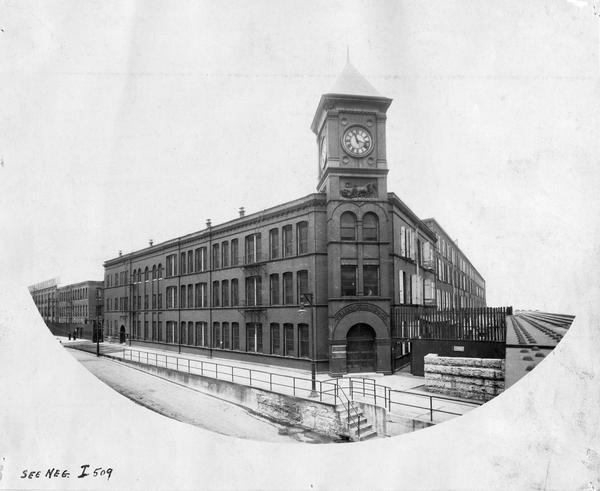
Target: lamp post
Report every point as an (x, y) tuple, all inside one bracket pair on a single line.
[(307, 299)]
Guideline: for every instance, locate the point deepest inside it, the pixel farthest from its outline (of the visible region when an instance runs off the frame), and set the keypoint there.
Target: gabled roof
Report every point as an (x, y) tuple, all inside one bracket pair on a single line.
[(351, 82)]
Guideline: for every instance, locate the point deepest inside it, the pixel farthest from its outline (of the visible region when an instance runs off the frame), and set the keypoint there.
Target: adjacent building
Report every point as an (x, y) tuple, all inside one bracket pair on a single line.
[(316, 279)]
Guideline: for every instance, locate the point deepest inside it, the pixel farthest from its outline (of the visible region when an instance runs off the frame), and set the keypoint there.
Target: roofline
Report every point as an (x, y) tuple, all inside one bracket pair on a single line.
[(431, 219), (84, 282), (404, 207), (332, 95), (236, 222)]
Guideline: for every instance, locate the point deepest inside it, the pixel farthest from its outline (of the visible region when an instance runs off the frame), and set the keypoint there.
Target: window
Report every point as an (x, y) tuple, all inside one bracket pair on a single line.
[(171, 297), (200, 258), (303, 350), (190, 334), (302, 237), (370, 227), (145, 302), (183, 332), (235, 296), (171, 332), (201, 299), (252, 244), (401, 281), (159, 336), (146, 274), (160, 304), (217, 343), (348, 226), (235, 253), (288, 289), (215, 294), (371, 280), (153, 272), (215, 256), (190, 296), (160, 271), (302, 283), (274, 289), (201, 334), (190, 261), (348, 280), (235, 335), (225, 293), (153, 331), (288, 246), (225, 335), (274, 243), (225, 254), (253, 291), (288, 339), (275, 340), (183, 297), (171, 265), (254, 337), (182, 264)]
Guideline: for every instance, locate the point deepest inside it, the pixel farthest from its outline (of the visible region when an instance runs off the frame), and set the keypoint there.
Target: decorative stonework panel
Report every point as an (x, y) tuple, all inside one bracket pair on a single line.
[(358, 188)]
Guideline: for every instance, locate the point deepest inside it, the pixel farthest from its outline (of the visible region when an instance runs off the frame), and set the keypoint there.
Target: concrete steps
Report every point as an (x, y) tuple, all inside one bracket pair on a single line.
[(352, 423)]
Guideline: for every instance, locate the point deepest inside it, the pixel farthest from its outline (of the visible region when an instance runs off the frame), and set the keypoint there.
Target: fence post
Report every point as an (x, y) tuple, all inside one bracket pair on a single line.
[(294, 385), (320, 391), (201, 368), (139, 357), (216, 371), (189, 371), (351, 389), (250, 371), (431, 409)]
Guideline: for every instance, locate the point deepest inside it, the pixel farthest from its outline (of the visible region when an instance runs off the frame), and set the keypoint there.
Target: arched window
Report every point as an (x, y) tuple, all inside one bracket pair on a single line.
[(139, 275), (348, 226), (370, 227), (154, 272), (160, 272), (146, 274)]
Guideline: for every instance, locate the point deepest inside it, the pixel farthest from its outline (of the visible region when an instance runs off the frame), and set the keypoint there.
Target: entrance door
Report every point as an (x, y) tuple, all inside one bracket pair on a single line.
[(122, 335), (360, 349)]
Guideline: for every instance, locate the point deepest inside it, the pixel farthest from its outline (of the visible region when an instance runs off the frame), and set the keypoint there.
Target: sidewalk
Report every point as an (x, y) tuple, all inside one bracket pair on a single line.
[(417, 404)]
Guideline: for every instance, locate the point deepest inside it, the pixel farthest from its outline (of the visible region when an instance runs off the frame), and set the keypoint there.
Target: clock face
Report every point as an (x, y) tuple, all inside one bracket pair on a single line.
[(357, 141), (323, 155)]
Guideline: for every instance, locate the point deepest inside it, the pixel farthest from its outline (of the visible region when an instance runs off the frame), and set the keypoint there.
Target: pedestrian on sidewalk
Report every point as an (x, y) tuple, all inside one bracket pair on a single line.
[(69, 335)]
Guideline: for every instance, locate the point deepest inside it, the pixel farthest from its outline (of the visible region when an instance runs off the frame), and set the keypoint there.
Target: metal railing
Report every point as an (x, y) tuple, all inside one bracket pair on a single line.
[(328, 392), (367, 390)]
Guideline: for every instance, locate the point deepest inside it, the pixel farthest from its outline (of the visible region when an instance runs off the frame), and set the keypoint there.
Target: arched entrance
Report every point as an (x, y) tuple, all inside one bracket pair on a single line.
[(360, 349), (122, 335)]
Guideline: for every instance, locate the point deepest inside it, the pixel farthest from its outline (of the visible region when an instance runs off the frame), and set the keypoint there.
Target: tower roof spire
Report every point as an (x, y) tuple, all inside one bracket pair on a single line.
[(351, 82)]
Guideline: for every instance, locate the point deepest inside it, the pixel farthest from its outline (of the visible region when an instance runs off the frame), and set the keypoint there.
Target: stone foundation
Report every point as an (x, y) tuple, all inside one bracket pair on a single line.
[(481, 379)]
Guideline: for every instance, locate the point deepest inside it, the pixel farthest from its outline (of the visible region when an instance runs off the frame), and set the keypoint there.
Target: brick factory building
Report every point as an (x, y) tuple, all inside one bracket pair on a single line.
[(323, 272)]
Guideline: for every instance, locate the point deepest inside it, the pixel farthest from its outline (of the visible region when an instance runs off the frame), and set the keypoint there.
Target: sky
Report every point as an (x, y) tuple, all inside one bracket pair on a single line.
[(122, 122)]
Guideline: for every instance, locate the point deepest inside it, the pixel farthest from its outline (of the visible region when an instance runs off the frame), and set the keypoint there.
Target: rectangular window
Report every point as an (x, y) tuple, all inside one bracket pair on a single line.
[(225, 334), (235, 253), (201, 334), (145, 329), (288, 246), (160, 304), (401, 287), (254, 337), (183, 297), (348, 273), (253, 290), (154, 300), (171, 265), (215, 294), (182, 264), (302, 284), (215, 256), (190, 296), (252, 252), (146, 302), (225, 293), (288, 339), (235, 335), (275, 341), (225, 254), (274, 243), (171, 297), (153, 330), (171, 332), (200, 258), (235, 295), (302, 237), (217, 341), (274, 289), (303, 351), (288, 289), (371, 280), (159, 335)]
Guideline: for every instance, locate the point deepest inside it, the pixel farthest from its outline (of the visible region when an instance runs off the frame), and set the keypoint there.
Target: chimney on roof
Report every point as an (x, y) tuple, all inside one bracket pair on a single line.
[(120, 253), (208, 222), (150, 242), (242, 212)]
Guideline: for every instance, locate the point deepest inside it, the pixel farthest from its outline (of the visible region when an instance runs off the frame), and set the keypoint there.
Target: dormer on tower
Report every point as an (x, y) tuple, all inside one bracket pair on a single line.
[(350, 126)]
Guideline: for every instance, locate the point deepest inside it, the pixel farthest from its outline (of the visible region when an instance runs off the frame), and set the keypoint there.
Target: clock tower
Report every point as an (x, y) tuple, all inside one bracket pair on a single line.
[(349, 124)]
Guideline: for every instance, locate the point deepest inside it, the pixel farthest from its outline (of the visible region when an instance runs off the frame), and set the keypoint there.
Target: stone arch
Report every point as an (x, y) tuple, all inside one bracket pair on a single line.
[(360, 313)]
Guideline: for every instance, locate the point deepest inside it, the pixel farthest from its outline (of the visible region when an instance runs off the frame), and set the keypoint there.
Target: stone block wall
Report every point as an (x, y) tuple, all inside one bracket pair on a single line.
[(480, 379)]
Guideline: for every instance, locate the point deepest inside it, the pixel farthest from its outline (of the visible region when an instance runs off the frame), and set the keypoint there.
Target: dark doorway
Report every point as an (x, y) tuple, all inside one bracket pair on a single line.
[(122, 335), (360, 349)]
